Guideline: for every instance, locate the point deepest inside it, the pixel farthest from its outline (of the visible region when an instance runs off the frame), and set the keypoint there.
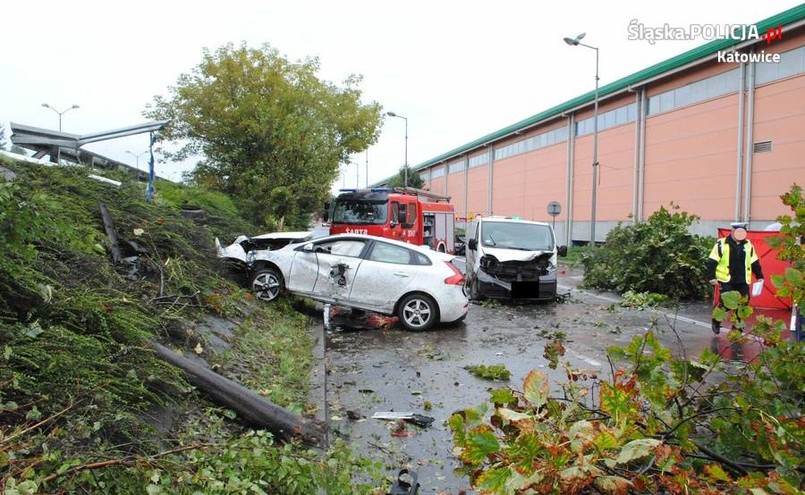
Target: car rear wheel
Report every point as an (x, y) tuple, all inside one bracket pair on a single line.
[(267, 284), (418, 312)]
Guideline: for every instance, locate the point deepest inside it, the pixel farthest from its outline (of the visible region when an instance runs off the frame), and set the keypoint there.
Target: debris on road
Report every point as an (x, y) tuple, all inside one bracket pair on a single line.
[(409, 417)]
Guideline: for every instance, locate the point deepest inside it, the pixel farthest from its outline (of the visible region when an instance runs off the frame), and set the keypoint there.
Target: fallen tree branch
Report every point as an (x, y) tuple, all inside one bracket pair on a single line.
[(253, 408)]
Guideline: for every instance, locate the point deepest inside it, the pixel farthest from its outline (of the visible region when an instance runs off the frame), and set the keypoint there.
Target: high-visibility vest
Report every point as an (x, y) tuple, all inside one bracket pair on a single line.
[(721, 254)]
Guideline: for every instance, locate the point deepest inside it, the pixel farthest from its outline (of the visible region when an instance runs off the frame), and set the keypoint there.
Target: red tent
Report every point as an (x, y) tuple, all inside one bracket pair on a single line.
[(768, 299)]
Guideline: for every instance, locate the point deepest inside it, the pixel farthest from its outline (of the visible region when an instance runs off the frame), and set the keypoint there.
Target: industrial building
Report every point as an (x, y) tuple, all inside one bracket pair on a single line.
[(718, 130)]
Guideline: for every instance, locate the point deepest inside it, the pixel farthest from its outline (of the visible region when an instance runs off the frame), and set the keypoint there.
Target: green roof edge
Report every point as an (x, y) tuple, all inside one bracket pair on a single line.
[(786, 17)]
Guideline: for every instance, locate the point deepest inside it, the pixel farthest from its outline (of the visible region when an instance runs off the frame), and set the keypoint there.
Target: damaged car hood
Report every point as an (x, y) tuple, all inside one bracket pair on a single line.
[(505, 254)]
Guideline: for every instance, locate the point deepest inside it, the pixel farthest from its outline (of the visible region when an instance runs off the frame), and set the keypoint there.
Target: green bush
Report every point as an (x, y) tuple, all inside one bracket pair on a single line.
[(658, 256)]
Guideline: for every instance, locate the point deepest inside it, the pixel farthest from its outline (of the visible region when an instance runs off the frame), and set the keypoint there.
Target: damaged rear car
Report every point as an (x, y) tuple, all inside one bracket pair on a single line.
[(511, 259), (420, 286)]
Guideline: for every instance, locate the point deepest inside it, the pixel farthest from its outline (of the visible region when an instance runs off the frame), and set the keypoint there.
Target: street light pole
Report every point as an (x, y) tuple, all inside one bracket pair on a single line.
[(58, 112), (405, 174), (137, 158), (577, 42)]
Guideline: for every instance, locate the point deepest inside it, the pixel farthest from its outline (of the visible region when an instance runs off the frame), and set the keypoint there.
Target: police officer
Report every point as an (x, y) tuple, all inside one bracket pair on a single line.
[(731, 263)]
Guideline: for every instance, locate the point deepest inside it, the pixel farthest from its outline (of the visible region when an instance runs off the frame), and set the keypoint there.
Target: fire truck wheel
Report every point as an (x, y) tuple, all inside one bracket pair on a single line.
[(418, 312), (267, 284)]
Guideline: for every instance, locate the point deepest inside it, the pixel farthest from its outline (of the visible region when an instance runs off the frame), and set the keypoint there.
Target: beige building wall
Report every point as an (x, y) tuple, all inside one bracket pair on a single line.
[(691, 155), (779, 118)]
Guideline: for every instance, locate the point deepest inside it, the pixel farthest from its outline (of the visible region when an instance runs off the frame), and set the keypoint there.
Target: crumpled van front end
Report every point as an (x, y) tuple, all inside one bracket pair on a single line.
[(512, 259)]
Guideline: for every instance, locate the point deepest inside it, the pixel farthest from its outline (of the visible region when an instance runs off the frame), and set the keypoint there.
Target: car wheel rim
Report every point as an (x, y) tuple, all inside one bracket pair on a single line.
[(267, 286), (417, 313)]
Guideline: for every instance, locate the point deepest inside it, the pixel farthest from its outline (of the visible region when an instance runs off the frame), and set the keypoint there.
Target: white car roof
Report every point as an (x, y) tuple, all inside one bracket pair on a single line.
[(284, 235), (511, 220), (422, 249)]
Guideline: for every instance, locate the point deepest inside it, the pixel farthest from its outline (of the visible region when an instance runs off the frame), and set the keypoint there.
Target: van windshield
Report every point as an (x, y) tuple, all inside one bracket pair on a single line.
[(516, 235), (360, 212)]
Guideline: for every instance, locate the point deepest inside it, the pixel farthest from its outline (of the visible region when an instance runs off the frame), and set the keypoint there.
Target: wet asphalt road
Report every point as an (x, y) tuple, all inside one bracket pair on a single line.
[(370, 370)]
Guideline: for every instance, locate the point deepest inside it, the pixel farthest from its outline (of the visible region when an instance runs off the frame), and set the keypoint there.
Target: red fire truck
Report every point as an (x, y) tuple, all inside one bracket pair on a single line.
[(403, 213)]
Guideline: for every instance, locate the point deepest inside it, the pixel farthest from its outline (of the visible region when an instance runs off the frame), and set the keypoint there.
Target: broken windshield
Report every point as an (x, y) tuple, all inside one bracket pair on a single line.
[(517, 235), (360, 212)]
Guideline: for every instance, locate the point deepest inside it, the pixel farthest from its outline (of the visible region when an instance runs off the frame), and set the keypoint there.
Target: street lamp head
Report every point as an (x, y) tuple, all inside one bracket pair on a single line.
[(391, 114), (45, 105), (74, 106), (575, 41)]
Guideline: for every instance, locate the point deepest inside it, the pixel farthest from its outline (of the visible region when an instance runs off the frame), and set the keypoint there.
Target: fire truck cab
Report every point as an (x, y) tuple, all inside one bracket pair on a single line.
[(407, 214)]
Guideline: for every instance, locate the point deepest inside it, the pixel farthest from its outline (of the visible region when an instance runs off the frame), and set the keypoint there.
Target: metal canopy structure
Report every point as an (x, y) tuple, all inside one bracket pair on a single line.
[(57, 145), (39, 139)]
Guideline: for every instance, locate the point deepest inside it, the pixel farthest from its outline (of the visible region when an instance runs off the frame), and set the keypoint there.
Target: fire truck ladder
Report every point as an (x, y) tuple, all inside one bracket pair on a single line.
[(422, 193)]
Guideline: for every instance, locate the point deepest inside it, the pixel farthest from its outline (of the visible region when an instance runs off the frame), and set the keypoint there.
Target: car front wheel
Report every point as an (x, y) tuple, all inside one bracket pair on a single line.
[(418, 312), (267, 284)]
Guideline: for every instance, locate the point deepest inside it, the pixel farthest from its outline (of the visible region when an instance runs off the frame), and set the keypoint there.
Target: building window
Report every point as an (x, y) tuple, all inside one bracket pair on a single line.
[(478, 160), (533, 143), (455, 167), (791, 63), (618, 116), (436, 172), (704, 89)]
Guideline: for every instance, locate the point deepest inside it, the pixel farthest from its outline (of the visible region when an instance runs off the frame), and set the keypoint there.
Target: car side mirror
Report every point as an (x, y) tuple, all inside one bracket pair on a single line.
[(472, 244), (393, 224), (562, 251)]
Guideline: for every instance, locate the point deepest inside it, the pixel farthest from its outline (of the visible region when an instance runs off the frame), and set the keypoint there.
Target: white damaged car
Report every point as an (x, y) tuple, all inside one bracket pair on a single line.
[(511, 259), (420, 286)]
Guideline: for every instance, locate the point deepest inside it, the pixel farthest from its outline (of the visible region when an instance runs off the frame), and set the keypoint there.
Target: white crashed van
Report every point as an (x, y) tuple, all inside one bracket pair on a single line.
[(511, 259)]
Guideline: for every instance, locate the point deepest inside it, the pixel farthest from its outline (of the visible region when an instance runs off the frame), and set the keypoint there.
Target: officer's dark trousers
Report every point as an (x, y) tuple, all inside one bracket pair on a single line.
[(727, 287)]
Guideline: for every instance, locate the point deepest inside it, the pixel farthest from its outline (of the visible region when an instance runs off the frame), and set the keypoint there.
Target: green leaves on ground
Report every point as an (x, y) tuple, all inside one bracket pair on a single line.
[(489, 372), (660, 424)]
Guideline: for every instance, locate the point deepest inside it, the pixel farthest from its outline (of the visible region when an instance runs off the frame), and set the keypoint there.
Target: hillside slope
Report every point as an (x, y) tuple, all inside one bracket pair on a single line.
[(85, 404)]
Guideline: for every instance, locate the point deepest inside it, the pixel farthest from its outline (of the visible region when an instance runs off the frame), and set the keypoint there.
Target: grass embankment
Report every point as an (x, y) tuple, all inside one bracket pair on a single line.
[(84, 404)]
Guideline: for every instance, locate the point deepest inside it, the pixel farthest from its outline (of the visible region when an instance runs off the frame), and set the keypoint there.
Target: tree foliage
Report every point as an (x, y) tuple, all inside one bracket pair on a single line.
[(791, 244), (659, 424), (262, 122), (399, 180), (657, 256)]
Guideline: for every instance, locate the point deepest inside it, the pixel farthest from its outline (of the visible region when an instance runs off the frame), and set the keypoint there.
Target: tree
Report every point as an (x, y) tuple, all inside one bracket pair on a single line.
[(262, 122), (657, 256), (414, 180)]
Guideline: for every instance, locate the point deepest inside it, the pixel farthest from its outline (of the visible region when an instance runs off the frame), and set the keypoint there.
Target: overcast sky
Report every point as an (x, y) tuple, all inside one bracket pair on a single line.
[(458, 70)]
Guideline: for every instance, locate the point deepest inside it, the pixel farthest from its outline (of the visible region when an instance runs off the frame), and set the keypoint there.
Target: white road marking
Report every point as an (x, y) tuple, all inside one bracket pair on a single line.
[(590, 361)]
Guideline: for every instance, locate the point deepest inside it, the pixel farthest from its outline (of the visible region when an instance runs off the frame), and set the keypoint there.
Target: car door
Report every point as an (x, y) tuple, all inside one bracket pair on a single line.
[(304, 270), (386, 273), (337, 265)]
